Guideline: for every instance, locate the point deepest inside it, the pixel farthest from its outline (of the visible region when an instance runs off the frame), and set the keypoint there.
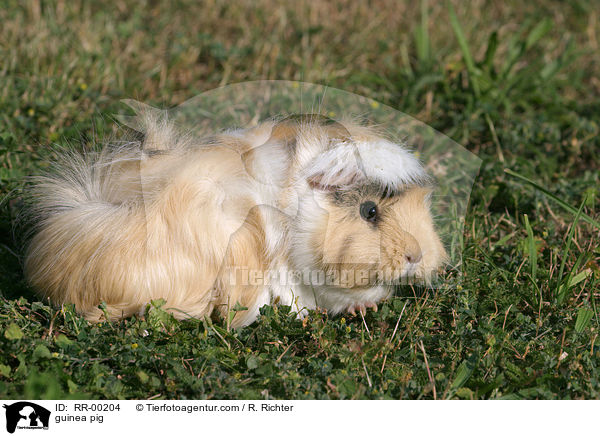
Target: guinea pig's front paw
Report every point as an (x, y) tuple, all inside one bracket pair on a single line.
[(361, 307)]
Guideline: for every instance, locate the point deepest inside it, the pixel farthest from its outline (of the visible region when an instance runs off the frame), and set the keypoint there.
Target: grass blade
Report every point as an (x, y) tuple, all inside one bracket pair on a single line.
[(538, 32), (532, 249), (464, 48), (490, 51), (422, 35), (463, 372), (569, 280), (561, 291), (579, 277), (584, 316), (588, 219)]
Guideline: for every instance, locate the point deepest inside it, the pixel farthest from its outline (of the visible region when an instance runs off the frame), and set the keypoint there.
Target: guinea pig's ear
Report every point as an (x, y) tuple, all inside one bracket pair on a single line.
[(336, 168), (329, 183)]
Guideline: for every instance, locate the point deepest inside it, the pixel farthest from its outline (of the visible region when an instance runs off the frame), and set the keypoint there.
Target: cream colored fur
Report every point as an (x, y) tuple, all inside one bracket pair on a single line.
[(174, 217)]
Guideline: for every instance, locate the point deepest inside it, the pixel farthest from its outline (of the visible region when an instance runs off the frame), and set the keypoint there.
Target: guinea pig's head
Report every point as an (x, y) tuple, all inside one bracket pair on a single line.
[(364, 218)]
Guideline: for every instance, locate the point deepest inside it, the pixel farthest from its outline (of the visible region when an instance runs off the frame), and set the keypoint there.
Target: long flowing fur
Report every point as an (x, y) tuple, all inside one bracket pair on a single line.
[(177, 217)]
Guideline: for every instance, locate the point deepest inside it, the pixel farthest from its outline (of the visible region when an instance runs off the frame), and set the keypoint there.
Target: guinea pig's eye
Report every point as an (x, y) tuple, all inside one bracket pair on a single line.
[(368, 211)]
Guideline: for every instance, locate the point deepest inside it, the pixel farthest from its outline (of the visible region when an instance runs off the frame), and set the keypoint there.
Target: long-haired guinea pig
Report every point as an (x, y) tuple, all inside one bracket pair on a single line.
[(303, 211)]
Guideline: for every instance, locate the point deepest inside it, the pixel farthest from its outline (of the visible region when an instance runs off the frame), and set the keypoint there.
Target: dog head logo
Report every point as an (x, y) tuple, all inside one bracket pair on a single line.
[(26, 415)]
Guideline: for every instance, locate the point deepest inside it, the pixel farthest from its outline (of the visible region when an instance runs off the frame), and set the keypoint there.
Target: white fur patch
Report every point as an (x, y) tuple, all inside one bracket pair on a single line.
[(381, 161)]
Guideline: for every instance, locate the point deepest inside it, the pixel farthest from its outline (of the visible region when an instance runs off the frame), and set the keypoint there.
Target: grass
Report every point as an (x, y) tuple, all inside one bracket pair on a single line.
[(515, 83)]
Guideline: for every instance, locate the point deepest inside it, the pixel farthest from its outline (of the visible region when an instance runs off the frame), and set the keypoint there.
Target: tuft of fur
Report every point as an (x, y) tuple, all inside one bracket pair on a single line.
[(208, 223)]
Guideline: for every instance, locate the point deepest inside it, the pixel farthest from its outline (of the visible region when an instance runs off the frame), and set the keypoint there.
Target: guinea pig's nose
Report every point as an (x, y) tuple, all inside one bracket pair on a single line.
[(414, 256)]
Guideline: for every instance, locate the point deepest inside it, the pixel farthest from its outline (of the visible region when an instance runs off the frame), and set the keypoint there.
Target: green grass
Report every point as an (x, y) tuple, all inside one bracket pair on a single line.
[(515, 83)]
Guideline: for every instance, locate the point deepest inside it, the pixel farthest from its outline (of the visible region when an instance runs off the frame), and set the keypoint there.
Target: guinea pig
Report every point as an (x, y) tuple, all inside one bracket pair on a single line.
[(302, 211)]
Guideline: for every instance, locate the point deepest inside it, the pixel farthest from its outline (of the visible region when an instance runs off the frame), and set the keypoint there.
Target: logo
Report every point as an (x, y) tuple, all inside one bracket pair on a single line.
[(26, 415)]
